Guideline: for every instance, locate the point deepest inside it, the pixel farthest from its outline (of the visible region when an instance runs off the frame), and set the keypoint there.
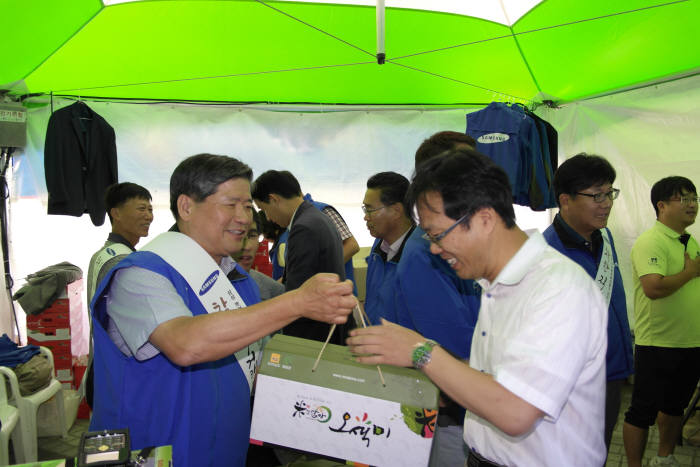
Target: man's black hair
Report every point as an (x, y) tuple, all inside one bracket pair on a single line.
[(467, 181), (668, 187), (119, 193), (391, 185), (440, 142), (580, 172), (269, 229), (279, 182), (256, 219), (200, 175)]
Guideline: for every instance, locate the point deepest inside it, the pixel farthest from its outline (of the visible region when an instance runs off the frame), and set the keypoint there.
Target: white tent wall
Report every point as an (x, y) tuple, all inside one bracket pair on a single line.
[(7, 322), (646, 134)]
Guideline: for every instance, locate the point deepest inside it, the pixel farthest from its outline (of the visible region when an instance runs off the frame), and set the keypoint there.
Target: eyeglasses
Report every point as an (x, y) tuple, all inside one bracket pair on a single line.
[(685, 200), (600, 197), (367, 210), (436, 239)]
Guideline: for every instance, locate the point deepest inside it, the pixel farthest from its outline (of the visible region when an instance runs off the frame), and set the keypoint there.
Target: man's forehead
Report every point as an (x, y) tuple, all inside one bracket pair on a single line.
[(430, 201), (598, 186), (137, 200), (372, 194)]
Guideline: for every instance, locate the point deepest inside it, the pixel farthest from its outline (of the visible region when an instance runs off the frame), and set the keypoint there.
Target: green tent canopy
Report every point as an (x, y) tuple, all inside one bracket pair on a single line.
[(294, 52)]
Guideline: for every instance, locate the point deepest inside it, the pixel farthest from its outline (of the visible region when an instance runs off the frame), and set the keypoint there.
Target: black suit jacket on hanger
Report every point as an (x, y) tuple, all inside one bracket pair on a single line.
[(80, 162)]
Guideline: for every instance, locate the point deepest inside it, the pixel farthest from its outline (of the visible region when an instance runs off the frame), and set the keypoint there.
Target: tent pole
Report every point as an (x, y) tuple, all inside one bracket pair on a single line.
[(381, 56)]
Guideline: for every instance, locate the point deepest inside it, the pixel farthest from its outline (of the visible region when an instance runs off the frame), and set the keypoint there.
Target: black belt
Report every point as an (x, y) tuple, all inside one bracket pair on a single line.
[(476, 460), (447, 420)]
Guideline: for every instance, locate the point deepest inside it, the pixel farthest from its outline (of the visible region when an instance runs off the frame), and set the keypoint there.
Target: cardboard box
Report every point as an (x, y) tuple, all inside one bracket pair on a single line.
[(342, 410)]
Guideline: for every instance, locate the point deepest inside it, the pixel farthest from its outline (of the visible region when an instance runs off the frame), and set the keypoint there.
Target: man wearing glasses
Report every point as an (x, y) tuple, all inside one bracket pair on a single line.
[(584, 193), (388, 222), (433, 301), (667, 321), (534, 383)]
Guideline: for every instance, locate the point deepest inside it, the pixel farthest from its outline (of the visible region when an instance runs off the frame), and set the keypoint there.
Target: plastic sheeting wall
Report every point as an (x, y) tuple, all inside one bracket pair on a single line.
[(646, 134)]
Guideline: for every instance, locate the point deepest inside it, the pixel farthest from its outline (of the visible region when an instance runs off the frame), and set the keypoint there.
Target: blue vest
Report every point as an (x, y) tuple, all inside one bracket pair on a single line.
[(349, 270), (619, 361), (381, 284), (203, 410), (277, 268), (432, 300)]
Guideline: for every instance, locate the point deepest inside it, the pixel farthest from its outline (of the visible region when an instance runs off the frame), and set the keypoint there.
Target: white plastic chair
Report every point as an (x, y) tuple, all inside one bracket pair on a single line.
[(24, 438), (8, 419)]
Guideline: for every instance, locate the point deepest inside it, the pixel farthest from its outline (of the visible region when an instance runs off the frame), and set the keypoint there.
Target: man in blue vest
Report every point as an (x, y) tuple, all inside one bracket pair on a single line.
[(350, 245), (584, 193), (130, 213), (389, 224), (177, 324), (447, 313)]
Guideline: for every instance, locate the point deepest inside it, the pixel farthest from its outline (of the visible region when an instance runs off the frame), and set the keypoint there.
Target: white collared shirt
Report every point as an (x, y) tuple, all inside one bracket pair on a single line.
[(542, 334), (392, 249)]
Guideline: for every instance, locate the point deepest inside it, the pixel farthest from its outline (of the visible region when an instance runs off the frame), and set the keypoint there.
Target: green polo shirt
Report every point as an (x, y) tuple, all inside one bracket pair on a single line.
[(672, 321)]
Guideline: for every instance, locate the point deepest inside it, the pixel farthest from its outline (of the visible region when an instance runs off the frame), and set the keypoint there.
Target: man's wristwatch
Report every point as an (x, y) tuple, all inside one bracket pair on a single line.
[(423, 353)]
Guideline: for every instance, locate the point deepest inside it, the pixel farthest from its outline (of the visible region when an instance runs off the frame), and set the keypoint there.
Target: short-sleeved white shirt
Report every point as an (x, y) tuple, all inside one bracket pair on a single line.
[(542, 334), (138, 301)]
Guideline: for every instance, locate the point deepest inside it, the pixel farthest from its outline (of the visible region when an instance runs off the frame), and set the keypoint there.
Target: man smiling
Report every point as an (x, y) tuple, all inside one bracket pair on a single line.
[(534, 383), (584, 192), (176, 343), (130, 213), (666, 266)]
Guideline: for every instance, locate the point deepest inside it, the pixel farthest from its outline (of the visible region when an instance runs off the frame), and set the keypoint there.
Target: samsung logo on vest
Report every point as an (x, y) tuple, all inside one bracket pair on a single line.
[(493, 138), (209, 283), (111, 252)]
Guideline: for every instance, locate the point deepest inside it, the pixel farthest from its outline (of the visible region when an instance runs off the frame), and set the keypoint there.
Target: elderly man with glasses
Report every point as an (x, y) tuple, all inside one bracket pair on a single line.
[(584, 193), (667, 321)]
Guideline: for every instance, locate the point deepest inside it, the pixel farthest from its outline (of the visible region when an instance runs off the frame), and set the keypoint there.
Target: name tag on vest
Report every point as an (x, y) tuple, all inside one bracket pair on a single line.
[(104, 255), (606, 269), (208, 282)]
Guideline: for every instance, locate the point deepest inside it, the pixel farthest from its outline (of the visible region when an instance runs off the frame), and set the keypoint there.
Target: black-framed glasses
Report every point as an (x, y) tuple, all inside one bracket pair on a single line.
[(437, 238), (367, 210), (686, 200), (600, 197)]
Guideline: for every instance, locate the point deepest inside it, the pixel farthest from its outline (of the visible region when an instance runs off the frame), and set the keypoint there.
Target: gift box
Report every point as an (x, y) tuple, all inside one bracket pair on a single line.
[(342, 409)]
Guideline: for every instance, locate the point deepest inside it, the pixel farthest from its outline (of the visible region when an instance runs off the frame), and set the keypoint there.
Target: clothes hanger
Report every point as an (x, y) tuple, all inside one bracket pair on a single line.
[(84, 110)]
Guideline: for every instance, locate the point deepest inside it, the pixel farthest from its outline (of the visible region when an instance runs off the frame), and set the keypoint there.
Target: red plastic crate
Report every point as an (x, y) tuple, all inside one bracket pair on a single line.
[(63, 362), (60, 305), (57, 347), (78, 372), (48, 320), (83, 410), (49, 334)]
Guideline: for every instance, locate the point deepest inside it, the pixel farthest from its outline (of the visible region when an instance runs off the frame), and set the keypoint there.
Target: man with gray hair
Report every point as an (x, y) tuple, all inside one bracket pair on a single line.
[(176, 340)]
